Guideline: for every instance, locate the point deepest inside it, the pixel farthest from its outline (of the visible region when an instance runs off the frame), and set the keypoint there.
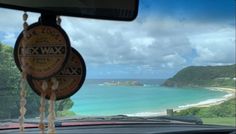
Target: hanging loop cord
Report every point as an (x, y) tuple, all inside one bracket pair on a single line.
[(23, 78), (51, 109), (42, 107)]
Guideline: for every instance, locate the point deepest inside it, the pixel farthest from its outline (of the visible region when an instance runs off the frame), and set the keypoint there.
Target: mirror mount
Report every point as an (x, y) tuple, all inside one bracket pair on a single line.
[(47, 19)]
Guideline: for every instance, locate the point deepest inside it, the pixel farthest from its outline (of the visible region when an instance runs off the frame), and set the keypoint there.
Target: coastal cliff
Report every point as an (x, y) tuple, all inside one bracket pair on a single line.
[(204, 76)]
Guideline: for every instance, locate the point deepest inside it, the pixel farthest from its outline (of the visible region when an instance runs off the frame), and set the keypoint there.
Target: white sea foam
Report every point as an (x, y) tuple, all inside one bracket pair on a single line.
[(147, 114), (208, 102), (100, 84)]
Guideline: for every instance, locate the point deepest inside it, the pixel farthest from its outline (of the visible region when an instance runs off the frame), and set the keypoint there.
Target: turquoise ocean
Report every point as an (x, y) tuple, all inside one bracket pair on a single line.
[(97, 99)]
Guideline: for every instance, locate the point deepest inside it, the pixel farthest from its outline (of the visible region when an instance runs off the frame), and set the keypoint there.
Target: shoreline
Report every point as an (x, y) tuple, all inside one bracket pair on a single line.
[(231, 93), (211, 102)]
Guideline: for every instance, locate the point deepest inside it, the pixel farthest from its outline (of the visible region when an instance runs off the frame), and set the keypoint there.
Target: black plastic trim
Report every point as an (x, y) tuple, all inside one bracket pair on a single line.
[(43, 11)]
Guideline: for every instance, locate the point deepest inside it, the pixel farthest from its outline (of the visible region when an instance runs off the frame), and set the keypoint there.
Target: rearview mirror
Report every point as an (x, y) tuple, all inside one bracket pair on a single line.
[(125, 10)]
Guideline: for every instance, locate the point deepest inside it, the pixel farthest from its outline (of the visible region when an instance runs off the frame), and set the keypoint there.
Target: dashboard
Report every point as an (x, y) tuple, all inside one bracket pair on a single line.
[(137, 128)]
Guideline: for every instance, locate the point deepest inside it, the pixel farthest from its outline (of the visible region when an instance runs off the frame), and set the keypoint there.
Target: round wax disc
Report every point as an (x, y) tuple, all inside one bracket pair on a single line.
[(45, 50), (70, 78)]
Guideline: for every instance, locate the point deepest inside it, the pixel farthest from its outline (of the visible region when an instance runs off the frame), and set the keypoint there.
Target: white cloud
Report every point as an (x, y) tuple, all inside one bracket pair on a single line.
[(173, 59), (124, 43), (153, 44), (157, 42), (215, 48), (11, 20), (9, 38), (11, 24)]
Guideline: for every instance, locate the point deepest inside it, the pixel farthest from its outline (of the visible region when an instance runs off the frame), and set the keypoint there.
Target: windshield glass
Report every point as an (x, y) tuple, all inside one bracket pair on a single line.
[(177, 59)]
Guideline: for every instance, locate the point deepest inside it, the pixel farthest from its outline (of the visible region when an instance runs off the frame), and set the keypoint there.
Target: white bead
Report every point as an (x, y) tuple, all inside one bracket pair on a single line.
[(44, 85), (22, 83), (25, 16), (21, 119), (55, 83), (25, 25), (22, 101), (23, 110)]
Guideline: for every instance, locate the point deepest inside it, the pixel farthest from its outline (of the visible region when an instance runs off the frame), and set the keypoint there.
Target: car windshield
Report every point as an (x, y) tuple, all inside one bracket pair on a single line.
[(177, 58)]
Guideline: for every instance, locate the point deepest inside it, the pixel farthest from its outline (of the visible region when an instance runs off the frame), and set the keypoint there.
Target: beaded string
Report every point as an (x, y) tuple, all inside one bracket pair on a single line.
[(23, 78), (22, 103), (58, 19), (42, 107), (51, 108)]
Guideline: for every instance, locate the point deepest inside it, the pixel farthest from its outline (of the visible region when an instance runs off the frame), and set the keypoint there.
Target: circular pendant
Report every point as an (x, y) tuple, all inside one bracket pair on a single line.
[(44, 50), (70, 78)]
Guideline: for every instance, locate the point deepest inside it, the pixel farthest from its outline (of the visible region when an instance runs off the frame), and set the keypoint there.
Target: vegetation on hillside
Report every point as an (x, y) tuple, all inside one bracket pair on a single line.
[(222, 114), (193, 76), (9, 90), (208, 76), (228, 121), (225, 109)]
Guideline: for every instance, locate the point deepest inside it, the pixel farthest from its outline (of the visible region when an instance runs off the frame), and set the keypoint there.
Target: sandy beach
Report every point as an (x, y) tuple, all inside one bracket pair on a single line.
[(230, 94), (207, 103), (223, 89)]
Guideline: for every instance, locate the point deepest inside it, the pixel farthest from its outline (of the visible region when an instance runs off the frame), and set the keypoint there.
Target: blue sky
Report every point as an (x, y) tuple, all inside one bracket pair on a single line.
[(214, 9), (167, 36)]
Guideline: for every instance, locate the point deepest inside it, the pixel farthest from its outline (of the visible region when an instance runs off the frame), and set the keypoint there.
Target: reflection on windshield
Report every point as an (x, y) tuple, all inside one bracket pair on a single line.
[(173, 56)]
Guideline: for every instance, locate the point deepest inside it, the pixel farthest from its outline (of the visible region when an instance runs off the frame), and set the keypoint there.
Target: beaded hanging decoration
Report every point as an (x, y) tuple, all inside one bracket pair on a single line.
[(55, 83), (23, 79), (65, 68), (51, 108), (42, 107), (51, 102)]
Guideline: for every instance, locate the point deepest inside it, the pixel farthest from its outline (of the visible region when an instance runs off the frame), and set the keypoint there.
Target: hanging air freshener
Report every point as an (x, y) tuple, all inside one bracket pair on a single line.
[(41, 52), (70, 78), (46, 52)]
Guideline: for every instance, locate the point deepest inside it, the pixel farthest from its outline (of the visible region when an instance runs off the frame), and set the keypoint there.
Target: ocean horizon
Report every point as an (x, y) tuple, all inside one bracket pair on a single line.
[(95, 98)]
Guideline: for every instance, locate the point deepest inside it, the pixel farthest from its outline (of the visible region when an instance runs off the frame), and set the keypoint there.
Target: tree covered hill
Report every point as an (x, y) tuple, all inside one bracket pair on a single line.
[(194, 76)]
